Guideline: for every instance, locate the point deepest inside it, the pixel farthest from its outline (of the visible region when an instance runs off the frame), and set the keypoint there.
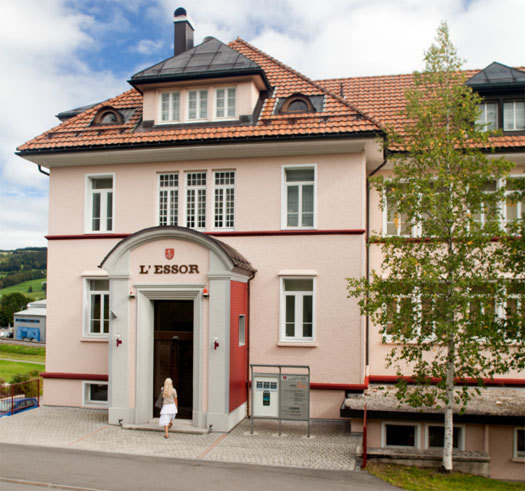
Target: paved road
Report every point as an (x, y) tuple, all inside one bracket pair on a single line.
[(24, 467)]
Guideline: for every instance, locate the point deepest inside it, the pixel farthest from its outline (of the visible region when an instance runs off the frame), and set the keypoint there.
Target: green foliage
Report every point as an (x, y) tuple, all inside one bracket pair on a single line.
[(23, 259), (21, 350), (11, 369), (435, 297), (9, 304), (416, 478), (37, 286), (20, 277)]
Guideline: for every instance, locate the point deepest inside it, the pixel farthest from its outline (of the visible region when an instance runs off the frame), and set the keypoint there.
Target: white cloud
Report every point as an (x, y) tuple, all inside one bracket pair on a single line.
[(45, 43), (147, 46), (43, 75)]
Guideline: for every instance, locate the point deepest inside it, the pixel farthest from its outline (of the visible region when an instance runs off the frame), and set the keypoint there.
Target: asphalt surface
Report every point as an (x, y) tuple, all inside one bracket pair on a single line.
[(75, 448), (29, 467)]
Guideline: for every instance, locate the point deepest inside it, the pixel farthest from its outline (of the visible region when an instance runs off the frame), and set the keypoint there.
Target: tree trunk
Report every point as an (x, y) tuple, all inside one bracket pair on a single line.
[(449, 421)]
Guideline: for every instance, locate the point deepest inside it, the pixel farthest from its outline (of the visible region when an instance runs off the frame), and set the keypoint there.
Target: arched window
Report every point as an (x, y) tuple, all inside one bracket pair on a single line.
[(108, 115), (297, 104)]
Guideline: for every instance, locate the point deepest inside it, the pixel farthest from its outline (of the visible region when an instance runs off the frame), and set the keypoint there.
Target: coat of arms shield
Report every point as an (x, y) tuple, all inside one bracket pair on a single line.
[(170, 253)]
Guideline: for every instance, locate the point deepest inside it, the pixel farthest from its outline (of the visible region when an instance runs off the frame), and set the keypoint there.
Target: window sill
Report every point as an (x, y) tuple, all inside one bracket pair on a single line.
[(299, 344), (518, 460), (85, 339)]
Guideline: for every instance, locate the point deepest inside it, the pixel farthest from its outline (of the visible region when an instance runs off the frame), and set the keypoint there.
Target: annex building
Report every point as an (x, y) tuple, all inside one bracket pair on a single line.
[(207, 219)]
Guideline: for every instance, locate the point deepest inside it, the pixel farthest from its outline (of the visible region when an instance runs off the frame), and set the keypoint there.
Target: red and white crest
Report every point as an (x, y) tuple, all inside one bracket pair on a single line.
[(169, 253)]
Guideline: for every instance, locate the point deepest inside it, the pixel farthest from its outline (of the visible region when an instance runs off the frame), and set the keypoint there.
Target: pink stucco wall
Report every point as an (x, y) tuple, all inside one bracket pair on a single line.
[(337, 356)]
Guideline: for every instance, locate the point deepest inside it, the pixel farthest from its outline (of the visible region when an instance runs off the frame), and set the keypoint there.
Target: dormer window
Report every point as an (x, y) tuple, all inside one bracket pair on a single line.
[(170, 106), (225, 102), (108, 116), (297, 104), (197, 104), (508, 115), (514, 116), (488, 117)]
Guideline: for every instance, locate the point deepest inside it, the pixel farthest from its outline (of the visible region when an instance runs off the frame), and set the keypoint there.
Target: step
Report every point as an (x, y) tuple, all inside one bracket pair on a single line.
[(179, 426)]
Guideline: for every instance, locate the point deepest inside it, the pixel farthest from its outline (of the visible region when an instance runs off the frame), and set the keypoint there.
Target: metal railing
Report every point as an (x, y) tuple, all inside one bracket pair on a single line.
[(19, 397)]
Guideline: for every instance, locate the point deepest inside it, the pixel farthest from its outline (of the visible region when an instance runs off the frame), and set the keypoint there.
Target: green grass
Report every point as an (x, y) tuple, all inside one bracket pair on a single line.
[(37, 294), (8, 369), (27, 353), (416, 478)]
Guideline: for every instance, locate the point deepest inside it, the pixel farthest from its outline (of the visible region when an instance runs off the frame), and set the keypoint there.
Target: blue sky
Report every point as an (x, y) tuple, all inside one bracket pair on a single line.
[(60, 54)]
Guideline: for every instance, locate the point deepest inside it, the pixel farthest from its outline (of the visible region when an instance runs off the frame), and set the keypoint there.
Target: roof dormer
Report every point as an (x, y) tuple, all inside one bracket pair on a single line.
[(208, 83), (503, 91)]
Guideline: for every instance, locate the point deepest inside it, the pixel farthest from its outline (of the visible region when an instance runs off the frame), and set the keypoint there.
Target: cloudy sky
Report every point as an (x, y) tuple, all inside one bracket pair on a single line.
[(60, 54)]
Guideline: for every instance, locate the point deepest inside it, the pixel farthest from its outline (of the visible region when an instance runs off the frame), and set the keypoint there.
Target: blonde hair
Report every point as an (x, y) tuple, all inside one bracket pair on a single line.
[(168, 388)]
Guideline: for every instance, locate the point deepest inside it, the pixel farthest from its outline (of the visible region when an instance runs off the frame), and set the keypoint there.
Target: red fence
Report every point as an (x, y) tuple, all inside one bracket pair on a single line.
[(19, 397)]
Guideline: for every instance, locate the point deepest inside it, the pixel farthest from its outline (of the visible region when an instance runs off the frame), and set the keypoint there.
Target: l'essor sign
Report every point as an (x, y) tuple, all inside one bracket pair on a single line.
[(169, 269)]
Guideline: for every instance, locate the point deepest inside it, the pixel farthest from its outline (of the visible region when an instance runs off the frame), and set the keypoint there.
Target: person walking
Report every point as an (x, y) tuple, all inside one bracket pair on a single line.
[(169, 406)]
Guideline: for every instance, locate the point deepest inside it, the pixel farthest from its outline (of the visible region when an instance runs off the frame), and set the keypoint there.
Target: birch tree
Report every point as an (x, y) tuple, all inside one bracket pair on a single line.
[(442, 292)]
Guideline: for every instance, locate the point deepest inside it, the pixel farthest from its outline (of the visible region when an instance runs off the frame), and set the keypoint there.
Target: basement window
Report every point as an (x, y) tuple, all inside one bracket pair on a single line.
[(403, 435)]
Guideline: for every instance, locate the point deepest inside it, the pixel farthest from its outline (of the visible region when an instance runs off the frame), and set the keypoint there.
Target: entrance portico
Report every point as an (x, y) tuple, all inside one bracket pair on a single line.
[(176, 264)]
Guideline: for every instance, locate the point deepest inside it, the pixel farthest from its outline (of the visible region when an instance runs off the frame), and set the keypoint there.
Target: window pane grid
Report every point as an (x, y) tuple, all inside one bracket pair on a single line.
[(298, 304), (196, 200), (99, 306), (101, 195), (168, 199), (224, 207), (170, 106)]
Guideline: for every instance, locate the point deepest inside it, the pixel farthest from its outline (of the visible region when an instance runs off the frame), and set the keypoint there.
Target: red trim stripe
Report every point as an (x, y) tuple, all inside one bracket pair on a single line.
[(260, 233), (75, 376), (321, 386)]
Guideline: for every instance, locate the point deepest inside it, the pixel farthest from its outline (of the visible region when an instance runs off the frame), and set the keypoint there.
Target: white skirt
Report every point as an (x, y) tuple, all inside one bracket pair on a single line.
[(167, 414)]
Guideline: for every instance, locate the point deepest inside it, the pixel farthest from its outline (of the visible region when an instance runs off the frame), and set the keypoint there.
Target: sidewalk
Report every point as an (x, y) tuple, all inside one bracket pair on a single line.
[(330, 446)]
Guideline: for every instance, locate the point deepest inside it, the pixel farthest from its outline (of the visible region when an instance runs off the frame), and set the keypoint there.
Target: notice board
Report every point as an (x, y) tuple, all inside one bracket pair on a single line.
[(295, 397)]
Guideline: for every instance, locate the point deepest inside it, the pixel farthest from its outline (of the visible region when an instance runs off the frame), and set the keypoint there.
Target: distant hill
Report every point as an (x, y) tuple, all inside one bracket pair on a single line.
[(19, 265)]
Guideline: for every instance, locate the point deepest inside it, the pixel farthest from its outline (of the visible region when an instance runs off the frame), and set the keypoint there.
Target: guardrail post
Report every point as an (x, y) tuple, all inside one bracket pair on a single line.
[(12, 398)]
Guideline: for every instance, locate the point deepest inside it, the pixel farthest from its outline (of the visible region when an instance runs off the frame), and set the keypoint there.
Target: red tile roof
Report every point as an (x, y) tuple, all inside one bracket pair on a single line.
[(383, 99), (368, 104)]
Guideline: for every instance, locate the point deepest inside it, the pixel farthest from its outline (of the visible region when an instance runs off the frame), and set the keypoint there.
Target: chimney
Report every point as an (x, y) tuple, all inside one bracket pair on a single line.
[(183, 31)]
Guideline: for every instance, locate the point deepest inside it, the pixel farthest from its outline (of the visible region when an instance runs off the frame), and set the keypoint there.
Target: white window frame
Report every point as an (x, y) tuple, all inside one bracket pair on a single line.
[(242, 329), (284, 197), (514, 114), (520, 211), (223, 200), (415, 230), (515, 455), (226, 107), (86, 400), (298, 311), (461, 440), (87, 308), (170, 201), (170, 119), (198, 104), (501, 309), (416, 302), (482, 118), (88, 204), (417, 433), (196, 188)]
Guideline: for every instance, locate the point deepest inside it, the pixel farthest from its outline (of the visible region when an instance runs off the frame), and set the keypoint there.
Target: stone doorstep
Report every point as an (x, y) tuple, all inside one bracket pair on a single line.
[(179, 426)]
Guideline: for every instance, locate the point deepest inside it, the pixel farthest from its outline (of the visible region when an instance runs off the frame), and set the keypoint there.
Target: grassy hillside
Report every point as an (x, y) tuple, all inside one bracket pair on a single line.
[(37, 294)]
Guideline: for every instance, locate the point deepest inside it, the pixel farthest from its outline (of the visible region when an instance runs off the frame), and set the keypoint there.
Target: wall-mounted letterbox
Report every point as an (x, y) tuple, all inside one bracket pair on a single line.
[(265, 388)]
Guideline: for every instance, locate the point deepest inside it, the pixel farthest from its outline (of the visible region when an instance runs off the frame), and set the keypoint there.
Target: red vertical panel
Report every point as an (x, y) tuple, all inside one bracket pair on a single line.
[(238, 354)]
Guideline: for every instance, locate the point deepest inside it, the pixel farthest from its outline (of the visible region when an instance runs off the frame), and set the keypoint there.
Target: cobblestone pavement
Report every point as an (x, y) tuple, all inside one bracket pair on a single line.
[(330, 446)]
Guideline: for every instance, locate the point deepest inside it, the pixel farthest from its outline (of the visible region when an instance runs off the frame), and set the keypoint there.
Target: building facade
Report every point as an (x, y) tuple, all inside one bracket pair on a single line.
[(206, 220)]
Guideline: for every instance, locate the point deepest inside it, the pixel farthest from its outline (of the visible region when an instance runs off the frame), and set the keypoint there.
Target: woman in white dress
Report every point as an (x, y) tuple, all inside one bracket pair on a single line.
[(169, 406)]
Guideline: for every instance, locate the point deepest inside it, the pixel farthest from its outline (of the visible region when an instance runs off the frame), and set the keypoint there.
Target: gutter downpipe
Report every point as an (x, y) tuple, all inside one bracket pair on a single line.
[(248, 347), (42, 171), (367, 257)]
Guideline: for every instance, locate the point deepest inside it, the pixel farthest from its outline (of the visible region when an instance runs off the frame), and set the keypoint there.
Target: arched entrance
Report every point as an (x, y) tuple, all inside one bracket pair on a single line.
[(166, 324)]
